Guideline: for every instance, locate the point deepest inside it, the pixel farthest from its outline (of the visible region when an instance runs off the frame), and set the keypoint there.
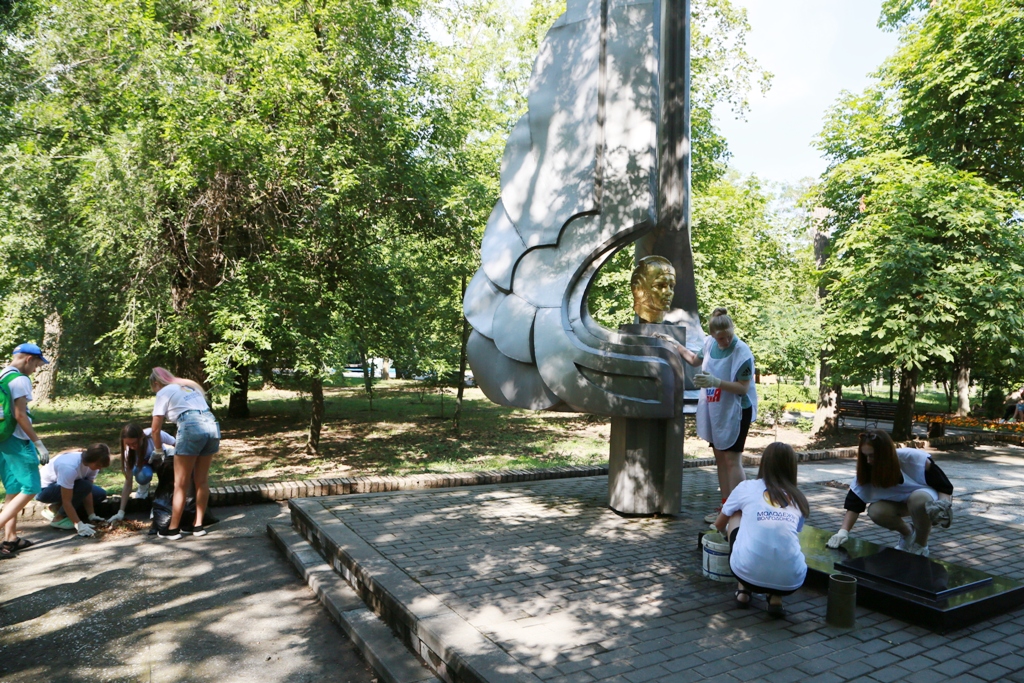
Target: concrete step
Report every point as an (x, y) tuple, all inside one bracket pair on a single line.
[(388, 656)]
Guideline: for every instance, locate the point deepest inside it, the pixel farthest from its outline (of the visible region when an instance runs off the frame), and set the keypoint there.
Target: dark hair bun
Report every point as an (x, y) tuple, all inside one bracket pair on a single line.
[(719, 311)]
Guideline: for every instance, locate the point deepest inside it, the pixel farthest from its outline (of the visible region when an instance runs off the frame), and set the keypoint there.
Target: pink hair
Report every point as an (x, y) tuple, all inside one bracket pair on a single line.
[(162, 376)]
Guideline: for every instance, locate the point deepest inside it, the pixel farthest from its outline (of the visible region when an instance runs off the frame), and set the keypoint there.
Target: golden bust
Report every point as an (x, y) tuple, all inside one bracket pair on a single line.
[(654, 285)]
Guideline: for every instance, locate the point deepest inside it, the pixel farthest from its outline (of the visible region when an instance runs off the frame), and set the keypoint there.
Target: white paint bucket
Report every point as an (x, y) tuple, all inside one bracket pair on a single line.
[(715, 564)]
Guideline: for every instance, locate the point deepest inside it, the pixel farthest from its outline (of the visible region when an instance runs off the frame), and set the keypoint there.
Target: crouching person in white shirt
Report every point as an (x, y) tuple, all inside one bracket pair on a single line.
[(68, 483), (764, 517)]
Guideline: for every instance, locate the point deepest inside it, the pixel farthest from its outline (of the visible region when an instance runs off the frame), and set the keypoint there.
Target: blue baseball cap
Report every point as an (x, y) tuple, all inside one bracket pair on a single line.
[(30, 349)]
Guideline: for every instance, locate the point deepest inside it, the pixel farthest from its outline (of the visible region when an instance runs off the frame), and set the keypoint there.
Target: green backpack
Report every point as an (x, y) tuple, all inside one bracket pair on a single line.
[(7, 422)]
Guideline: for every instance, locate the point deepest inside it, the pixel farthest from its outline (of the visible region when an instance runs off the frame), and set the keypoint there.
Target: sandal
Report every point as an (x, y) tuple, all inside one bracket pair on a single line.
[(776, 611), (742, 604), (22, 543), (8, 551)]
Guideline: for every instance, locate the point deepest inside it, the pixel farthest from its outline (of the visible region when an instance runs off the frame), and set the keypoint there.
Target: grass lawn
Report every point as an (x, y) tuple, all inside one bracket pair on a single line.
[(405, 433), (929, 399)]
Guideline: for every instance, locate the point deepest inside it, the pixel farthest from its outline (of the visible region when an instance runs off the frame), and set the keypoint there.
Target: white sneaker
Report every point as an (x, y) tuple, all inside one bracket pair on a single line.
[(142, 492), (915, 549), (906, 542), (712, 516)]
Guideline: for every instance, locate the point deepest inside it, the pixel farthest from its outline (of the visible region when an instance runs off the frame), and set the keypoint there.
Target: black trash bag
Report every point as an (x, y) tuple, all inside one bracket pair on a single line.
[(163, 499)]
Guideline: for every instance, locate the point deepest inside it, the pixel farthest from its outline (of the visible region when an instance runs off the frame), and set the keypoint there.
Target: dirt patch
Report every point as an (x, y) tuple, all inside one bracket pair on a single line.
[(123, 529)]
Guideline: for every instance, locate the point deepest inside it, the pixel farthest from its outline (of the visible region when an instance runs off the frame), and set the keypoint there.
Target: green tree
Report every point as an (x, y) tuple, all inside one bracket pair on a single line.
[(924, 265), (957, 80)]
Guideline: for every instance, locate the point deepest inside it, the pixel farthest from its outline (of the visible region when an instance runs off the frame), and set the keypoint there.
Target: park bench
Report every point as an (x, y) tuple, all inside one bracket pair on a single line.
[(869, 411)]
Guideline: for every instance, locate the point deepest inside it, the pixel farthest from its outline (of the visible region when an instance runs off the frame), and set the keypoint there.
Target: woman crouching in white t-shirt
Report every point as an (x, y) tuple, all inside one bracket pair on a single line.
[(893, 483), (198, 440), (764, 517)]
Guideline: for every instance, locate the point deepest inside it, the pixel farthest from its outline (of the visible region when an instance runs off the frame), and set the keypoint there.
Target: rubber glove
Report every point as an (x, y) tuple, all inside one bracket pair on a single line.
[(96, 518), (840, 538), (117, 517), (940, 512), (85, 530), (44, 455), (703, 380)]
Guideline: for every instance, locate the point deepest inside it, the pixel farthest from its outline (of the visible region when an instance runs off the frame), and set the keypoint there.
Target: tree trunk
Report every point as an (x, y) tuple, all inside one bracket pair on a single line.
[(267, 373), (963, 384), (46, 382), (826, 421), (456, 420), (316, 417), (903, 424), (367, 377), (238, 403)]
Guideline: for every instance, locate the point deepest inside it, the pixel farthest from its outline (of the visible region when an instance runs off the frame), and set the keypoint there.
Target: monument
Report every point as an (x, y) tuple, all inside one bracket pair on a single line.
[(600, 161)]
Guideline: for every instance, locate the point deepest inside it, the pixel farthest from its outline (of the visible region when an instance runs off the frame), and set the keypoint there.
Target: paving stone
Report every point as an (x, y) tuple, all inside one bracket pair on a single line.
[(568, 588), (990, 672), (930, 676)]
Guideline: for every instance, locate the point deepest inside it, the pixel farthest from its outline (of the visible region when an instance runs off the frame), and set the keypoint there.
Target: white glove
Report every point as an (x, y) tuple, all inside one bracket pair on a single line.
[(44, 455), (85, 529), (156, 459), (96, 518), (117, 517), (840, 538), (703, 380)]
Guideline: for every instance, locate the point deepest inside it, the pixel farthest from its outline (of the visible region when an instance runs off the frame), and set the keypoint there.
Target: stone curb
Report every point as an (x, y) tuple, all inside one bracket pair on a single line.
[(388, 656), (453, 648)]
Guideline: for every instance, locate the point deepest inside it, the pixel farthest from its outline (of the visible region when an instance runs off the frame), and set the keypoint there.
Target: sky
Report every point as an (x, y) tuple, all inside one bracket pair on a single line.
[(815, 49)]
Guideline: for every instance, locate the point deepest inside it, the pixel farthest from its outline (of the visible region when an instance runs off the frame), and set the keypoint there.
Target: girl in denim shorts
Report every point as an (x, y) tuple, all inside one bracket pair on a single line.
[(198, 439)]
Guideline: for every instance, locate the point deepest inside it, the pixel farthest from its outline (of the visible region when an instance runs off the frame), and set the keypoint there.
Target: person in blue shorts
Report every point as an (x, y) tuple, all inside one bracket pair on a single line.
[(198, 440), (23, 452)]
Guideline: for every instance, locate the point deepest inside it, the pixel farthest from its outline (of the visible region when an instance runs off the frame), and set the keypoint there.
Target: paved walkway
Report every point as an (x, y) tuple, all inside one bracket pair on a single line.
[(222, 608), (574, 592)]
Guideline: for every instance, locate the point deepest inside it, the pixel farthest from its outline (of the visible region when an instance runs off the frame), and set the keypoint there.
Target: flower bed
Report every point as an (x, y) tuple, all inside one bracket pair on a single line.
[(972, 423)]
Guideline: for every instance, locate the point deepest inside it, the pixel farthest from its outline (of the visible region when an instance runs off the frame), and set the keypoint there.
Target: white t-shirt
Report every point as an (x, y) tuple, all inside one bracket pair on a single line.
[(147, 443), (767, 551), (174, 399), (65, 470), (912, 464), (21, 387)]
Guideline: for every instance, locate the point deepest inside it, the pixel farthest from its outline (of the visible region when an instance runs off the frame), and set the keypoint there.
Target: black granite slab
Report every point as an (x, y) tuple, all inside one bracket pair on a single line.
[(930, 592), (914, 573)]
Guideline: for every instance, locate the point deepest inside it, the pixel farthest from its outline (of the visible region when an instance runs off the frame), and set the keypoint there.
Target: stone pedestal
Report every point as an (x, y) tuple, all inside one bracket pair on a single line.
[(645, 463), (645, 466)]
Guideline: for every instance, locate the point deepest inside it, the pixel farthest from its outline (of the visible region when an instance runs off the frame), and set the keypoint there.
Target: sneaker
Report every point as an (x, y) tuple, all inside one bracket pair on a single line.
[(940, 512), (142, 492), (48, 513), (915, 549), (712, 516), (906, 542), (198, 531), (169, 534), (63, 523)]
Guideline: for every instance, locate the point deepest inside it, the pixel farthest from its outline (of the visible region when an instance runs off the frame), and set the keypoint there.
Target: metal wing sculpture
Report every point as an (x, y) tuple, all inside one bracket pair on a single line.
[(599, 161)]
